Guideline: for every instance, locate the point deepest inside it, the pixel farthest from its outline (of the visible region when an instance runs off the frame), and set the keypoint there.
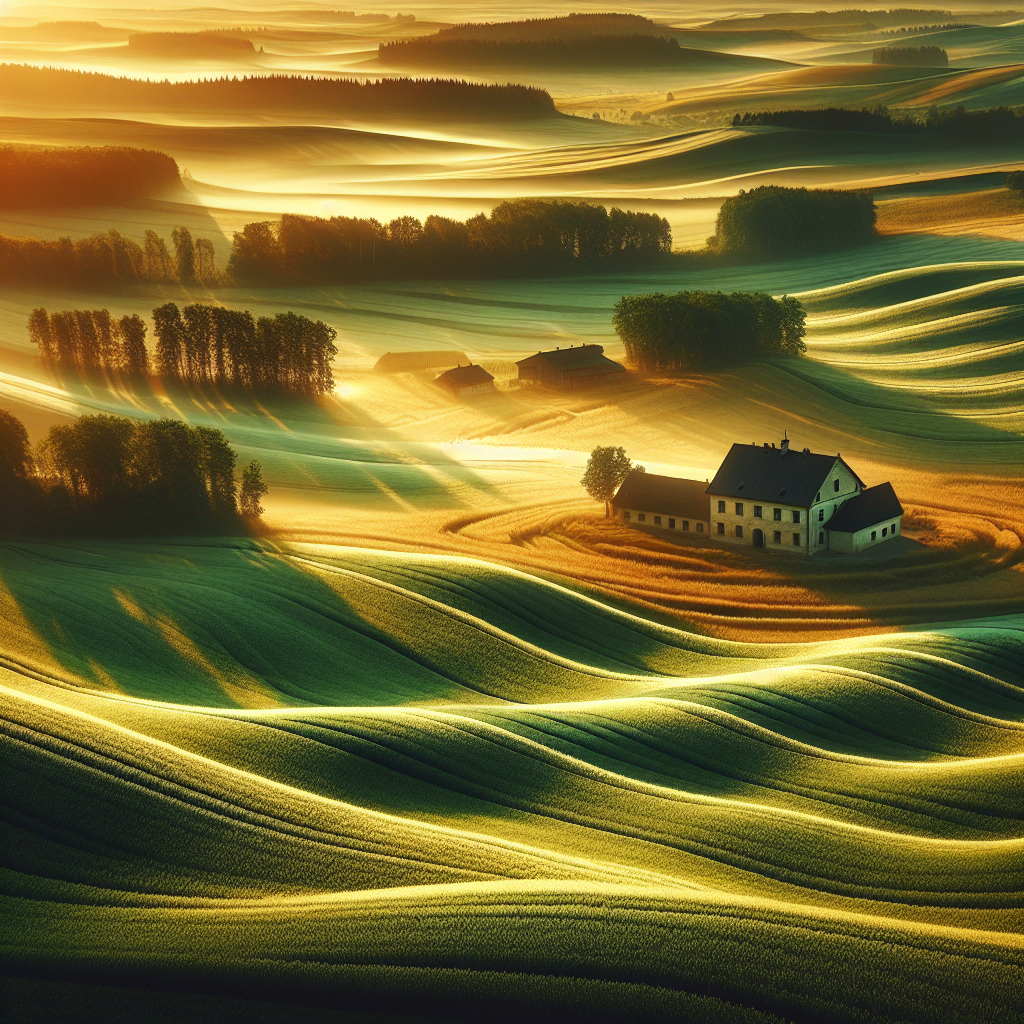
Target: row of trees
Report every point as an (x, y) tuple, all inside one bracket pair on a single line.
[(523, 235), (112, 475), (87, 341), (773, 221), (911, 56), (109, 259), (992, 124), (198, 344), (382, 98), (707, 330), (567, 26), (81, 176)]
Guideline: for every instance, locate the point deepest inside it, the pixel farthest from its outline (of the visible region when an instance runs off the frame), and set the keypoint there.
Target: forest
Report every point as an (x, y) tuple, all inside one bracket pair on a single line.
[(105, 260), (773, 221), (911, 56), (110, 475), (199, 344), (955, 123), (520, 236), (432, 97), (584, 51), (81, 176), (702, 330)]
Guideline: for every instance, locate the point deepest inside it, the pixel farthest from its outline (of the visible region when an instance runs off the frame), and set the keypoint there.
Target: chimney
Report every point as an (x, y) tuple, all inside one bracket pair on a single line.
[(785, 446)]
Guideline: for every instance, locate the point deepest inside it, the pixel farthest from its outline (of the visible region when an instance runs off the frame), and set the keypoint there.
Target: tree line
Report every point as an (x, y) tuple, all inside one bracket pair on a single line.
[(991, 124), (696, 330), (114, 476), (774, 221), (109, 259), (81, 176), (564, 27), (520, 236), (911, 56), (597, 50), (199, 344), (384, 97)]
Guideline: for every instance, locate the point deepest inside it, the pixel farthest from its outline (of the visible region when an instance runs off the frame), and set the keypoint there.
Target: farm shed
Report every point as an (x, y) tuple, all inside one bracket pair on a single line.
[(569, 368)]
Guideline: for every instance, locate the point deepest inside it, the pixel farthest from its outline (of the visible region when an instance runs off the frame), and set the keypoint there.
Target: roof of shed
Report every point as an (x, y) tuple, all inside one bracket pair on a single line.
[(578, 357), (671, 495), (464, 376), (870, 507), (790, 477)]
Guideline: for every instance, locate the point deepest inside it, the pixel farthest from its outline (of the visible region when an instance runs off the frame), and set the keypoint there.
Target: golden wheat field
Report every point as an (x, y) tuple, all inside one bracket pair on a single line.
[(433, 738)]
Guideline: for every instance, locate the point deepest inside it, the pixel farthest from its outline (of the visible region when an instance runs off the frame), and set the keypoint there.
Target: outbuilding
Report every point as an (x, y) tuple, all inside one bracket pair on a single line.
[(578, 366), (662, 502), (870, 518), (465, 380)]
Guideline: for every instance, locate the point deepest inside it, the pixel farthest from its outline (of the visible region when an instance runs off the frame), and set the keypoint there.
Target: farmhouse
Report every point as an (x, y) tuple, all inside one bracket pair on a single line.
[(465, 380), (794, 501), (569, 368)]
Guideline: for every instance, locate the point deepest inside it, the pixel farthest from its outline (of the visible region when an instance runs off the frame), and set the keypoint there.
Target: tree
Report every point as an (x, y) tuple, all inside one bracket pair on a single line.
[(606, 469), (253, 488), (15, 454), (185, 253), (1015, 181)]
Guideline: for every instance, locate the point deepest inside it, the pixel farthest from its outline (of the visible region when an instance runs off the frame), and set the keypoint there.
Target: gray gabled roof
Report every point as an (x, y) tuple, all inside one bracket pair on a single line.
[(464, 376), (869, 508), (757, 473), (579, 357), (668, 495)]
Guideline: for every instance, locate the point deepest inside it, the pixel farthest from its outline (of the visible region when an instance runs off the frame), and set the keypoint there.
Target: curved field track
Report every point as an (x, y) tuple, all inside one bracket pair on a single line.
[(482, 793)]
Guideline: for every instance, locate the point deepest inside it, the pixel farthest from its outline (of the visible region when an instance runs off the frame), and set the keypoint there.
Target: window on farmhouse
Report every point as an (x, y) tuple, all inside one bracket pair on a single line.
[(796, 517), (835, 484), (817, 497), (796, 540), (821, 515), (821, 537), (721, 527), (686, 524), (739, 508), (893, 529), (739, 531), (873, 534), (777, 514), (721, 506), (625, 514), (671, 524), (777, 537), (642, 517), (657, 520), (757, 511), (885, 531), (700, 527)]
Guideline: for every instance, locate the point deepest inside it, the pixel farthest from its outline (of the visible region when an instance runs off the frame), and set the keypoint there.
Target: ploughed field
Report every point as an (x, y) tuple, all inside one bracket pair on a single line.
[(282, 778)]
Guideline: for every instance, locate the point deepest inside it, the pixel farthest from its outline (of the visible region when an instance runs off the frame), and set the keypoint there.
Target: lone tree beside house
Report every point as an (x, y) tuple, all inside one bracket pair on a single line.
[(606, 469)]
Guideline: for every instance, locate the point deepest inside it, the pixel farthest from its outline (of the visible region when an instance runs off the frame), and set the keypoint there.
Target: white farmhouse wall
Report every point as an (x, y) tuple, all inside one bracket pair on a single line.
[(661, 521), (828, 501), (851, 543), (766, 522)]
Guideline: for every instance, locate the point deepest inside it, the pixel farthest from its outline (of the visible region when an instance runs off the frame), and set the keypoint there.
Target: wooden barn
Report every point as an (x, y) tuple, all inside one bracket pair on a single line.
[(465, 380), (578, 366)]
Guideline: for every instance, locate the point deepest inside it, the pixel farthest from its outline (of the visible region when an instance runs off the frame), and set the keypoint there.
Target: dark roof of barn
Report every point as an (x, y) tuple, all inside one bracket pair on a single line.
[(870, 507), (464, 376), (671, 495), (771, 474), (577, 357)]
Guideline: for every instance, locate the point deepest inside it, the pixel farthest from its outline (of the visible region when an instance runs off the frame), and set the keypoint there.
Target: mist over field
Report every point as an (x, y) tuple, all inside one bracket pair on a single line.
[(332, 692)]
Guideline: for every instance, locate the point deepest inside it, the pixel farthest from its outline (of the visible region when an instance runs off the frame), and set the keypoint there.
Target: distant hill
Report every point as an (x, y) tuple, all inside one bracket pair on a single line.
[(850, 18), (190, 44), (568, 27), (26, 85), (586, 52), (63, 31)]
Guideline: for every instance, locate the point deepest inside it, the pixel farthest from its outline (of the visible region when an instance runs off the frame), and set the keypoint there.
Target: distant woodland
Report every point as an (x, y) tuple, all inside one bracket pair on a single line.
[(385, 97), (707, 330), (107, 260), (849, 18), (567, 27), (773, 221), (190, 44), (992, 124), (81, 176), (521, 236), (200, 344), (582, 51), (109, 475), (911, 56)]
